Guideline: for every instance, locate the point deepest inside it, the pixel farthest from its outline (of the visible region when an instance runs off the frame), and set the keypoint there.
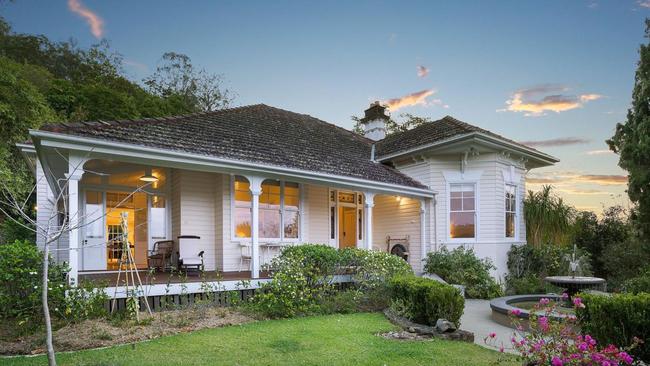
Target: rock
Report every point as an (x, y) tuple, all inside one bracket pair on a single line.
[(445, 326)]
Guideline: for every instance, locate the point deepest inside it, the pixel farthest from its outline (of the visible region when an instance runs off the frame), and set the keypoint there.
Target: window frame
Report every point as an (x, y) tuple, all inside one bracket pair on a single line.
[(516, 212), (477, 216), (282, 238)]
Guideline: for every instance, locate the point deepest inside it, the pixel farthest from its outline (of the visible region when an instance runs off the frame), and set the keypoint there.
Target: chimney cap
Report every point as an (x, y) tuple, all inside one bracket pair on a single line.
[(374, 112)]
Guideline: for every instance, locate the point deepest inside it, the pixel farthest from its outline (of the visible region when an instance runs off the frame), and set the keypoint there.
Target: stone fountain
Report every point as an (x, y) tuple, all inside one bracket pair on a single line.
[(574, 284)]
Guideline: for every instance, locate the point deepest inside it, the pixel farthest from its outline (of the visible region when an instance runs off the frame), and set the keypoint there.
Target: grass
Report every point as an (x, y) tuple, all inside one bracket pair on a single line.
[(321, 340)]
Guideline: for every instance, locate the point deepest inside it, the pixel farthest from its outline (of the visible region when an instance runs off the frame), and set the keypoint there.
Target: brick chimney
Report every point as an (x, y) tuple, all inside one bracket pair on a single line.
[(374, 122)]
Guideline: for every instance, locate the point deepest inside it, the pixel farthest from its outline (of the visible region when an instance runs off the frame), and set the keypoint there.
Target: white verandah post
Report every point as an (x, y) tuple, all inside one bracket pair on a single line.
[(423, 231), (255, 184), (369, 201), (75, 172)]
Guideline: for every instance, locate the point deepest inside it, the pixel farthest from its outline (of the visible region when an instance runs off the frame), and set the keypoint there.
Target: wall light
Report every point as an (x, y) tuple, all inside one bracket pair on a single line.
[(149, 178)]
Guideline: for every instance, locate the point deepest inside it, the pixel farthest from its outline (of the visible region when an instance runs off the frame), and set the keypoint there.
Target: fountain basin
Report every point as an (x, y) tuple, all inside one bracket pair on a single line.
[(502, 308), (574, 284)]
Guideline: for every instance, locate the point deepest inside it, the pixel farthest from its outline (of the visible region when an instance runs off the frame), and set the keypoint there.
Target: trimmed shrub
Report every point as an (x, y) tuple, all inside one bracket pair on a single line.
[(528, 265), (462, 267), (427, 300), (20, 282), (618, 319)]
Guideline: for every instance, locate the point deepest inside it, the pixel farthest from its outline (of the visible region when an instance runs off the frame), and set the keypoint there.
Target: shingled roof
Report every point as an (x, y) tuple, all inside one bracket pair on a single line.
[(256, 133), (431, 132)]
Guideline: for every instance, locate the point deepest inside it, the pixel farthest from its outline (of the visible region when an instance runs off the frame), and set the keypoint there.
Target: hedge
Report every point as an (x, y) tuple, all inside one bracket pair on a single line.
[(617, 319), (428, 300)]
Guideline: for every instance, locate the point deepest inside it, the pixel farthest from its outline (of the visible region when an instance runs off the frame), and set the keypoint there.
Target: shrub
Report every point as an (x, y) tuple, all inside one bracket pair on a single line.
[(302, 281), (427, 300), (638, 284), (85, 302), (462, 266), (550, 341), (528, 265), (20, 282), (618, 319)]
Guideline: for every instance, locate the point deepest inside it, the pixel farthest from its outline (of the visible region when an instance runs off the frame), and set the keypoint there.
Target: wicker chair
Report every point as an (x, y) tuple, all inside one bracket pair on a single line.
[(160, 256)]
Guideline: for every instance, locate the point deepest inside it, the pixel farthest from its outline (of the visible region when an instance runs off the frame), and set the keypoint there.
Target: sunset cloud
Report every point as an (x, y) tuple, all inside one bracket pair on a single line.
[(417, 98), (599, 152), (561, 141), (568, 179), (96, 23), (423, 71), (536, 101)]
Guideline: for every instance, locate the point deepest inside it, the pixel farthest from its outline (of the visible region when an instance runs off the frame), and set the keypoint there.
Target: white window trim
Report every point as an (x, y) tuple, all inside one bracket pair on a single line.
[(477, 215), (514, 178), (469, 176), (514, 238), (281, 239)]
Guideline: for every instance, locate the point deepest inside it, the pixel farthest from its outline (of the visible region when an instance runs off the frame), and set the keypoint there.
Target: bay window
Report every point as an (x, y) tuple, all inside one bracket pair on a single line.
[(462, 211), (511, 210), (279, 210)]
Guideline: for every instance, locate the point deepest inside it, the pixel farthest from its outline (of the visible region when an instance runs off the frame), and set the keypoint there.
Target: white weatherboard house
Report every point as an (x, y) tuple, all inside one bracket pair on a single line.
[(241, 183)]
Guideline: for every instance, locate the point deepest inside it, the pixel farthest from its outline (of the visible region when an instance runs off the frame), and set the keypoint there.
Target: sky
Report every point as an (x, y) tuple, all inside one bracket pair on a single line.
[(557, 75)]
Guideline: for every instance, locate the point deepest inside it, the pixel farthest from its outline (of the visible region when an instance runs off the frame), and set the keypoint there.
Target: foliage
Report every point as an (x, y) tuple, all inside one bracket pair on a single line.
[(427, 300), (618, 319), (528, 265), (87, 301), (302, 281), (640, 283), (20, 282), (597, 236), (558, 342), (548, 218), (625, 260), (410, 122), (462, 266), (193, 90), (631, 141)]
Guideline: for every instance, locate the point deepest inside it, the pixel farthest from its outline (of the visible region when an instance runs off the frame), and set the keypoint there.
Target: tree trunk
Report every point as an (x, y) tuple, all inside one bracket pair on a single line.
[(46, 309)]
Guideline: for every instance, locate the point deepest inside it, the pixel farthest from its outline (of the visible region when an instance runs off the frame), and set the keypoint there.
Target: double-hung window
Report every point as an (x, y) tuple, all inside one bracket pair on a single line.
[(279, 210), (511, 210), (462, 211)]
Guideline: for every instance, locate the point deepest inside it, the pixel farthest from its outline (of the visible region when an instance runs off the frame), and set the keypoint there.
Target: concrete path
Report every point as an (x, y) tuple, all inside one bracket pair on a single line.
[(477, 319)]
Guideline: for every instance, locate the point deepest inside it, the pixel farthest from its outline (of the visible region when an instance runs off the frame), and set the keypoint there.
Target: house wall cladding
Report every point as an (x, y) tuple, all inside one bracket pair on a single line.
[(45, 203), (489, 167)]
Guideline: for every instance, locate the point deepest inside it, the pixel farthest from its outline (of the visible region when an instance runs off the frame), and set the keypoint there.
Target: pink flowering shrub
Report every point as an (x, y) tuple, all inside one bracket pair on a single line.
[(557, 342)]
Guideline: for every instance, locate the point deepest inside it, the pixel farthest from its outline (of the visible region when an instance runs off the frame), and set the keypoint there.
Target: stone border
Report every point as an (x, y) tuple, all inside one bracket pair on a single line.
[(457, 335)]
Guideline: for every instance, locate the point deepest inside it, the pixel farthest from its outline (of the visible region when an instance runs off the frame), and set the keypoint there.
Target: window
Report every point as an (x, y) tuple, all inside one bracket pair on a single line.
[(462, 211), (94, 214), (242, 208), (511, 210), (279, 212), (158, 218)]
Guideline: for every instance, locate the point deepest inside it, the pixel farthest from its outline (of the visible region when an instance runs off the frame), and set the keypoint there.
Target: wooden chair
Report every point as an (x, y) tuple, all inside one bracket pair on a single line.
[(160, 256)]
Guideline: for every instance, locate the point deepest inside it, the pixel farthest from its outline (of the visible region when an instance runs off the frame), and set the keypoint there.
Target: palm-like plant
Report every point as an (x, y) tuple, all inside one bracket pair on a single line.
[(548, 218)]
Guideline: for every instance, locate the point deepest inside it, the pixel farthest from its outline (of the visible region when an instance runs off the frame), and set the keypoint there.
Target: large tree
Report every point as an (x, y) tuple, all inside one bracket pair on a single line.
[(632, 141)]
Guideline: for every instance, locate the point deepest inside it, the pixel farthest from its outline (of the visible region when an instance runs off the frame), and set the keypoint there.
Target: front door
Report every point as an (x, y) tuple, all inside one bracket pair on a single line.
[(93, 244), (347, 227)]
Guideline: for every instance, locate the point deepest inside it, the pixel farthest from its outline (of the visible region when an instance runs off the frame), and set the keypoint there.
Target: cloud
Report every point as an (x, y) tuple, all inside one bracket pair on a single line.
[(96, 23), (561, 141), (604, 179), (644, 3), (537, 100), (584, 192), (565, 179), (392, 38), (599, 152), (423, 71), (417, 98)]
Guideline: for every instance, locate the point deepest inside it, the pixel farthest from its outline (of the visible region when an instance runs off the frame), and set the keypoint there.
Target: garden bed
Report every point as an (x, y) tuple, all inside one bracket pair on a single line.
[(95, 333)]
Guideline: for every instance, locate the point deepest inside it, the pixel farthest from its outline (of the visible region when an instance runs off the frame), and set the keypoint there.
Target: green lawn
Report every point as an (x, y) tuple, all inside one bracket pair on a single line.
[(321, 340)]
